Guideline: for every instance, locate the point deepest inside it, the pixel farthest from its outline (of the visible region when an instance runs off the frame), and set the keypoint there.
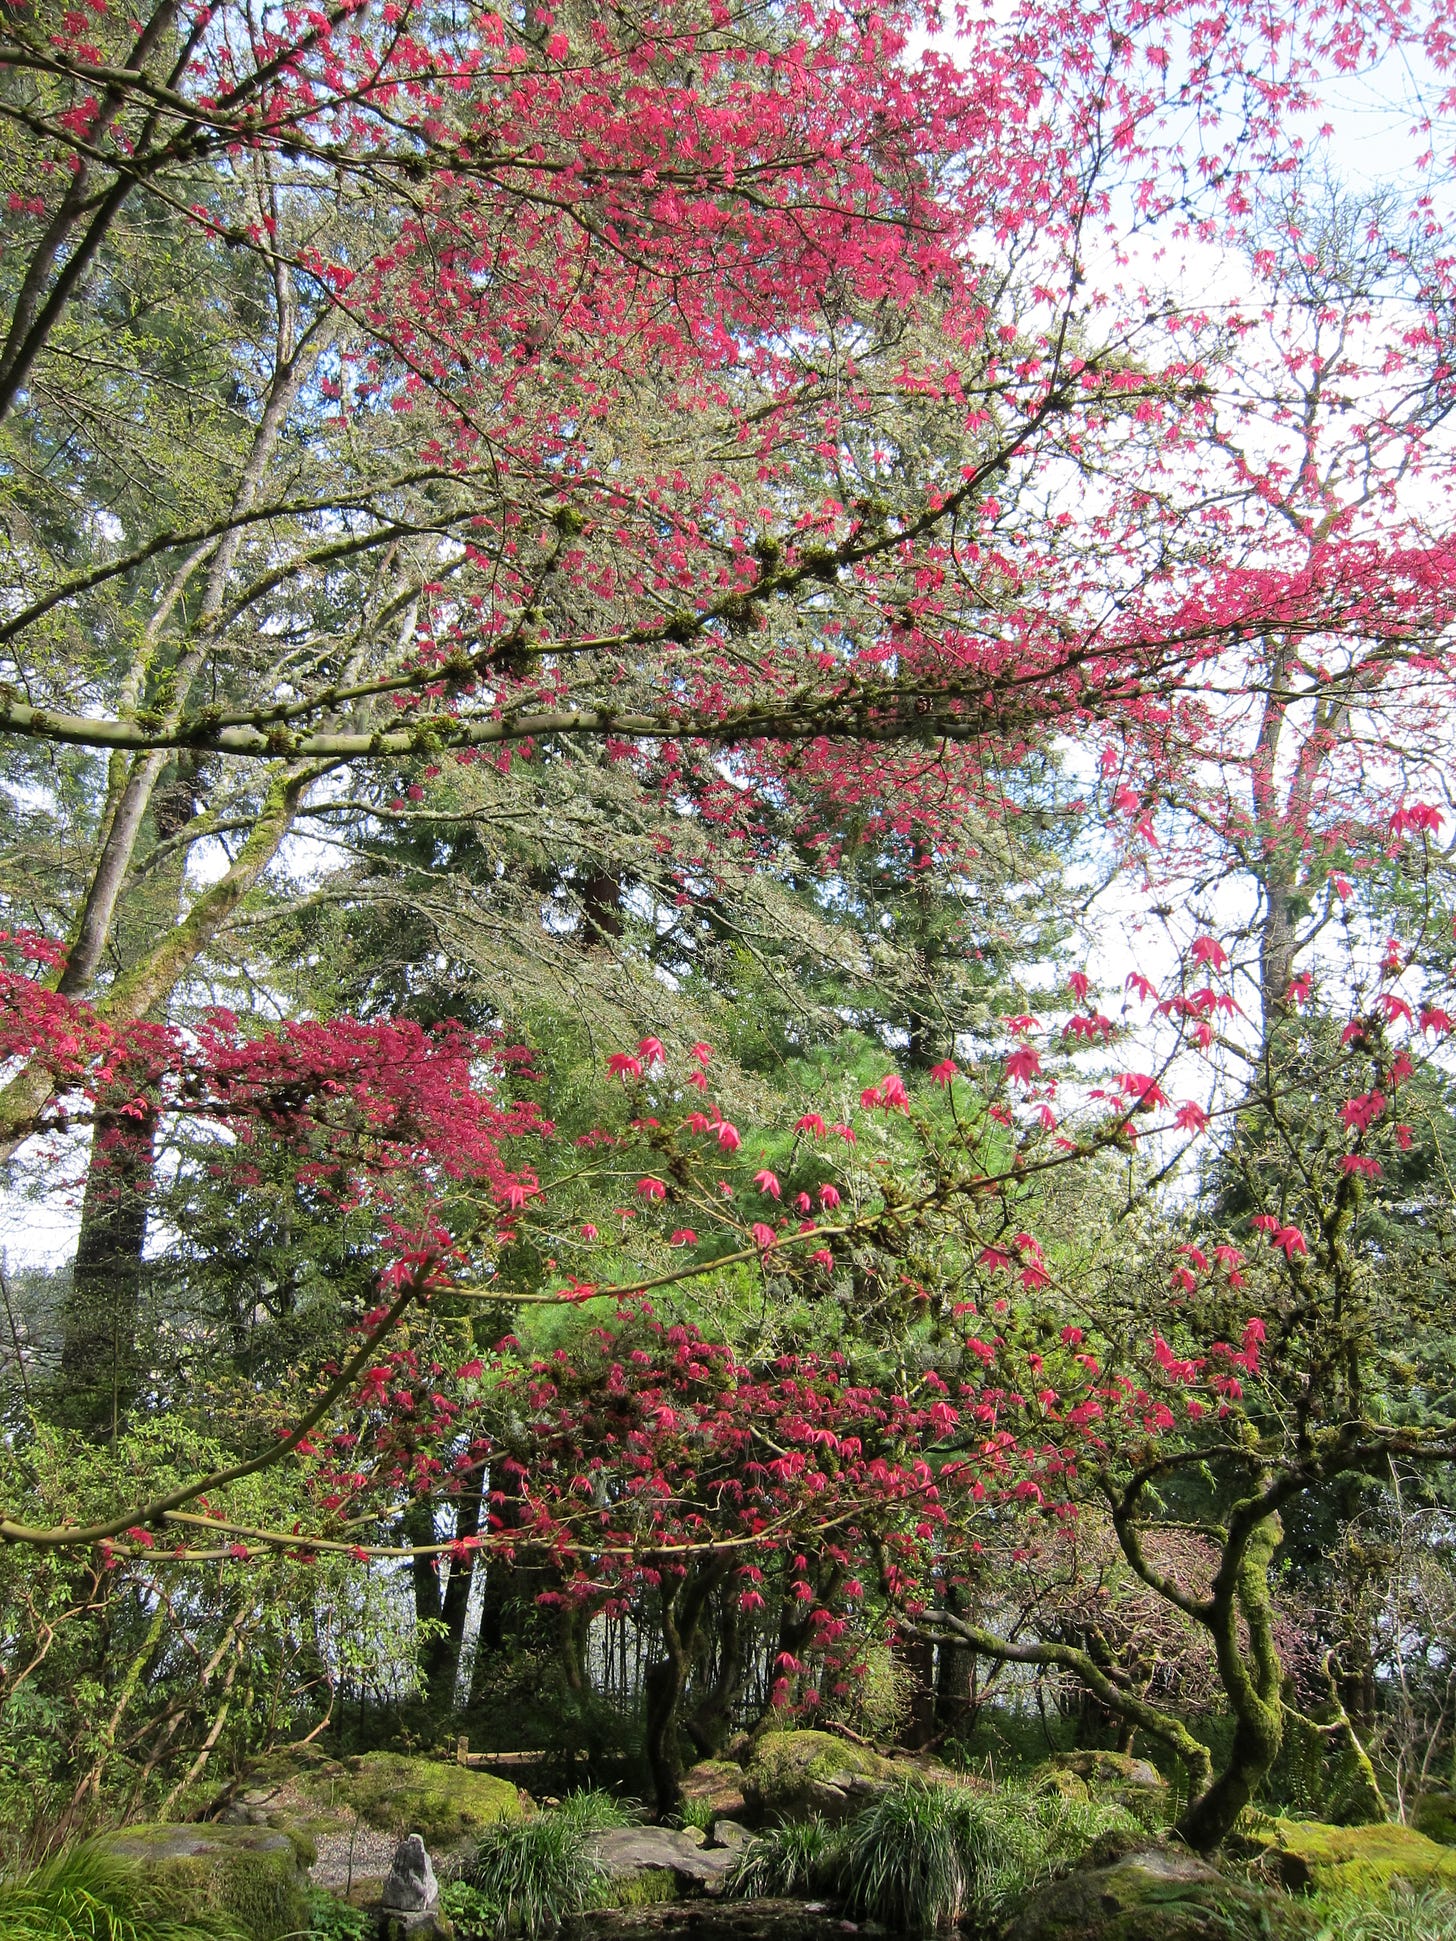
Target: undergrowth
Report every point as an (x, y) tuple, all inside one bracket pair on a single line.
[(526, 1876), (1404, 1914), (922, 1858), (83, 1893), (788, 1862)]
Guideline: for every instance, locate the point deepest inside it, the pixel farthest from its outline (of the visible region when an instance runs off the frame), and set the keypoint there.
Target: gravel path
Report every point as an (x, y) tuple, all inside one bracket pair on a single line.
[(352, 1857)]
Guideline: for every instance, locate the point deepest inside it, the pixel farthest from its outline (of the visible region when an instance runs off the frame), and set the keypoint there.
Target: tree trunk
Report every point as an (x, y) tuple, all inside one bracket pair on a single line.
[(98, 1372), (601, 906), (710, 1720), (418, 1526), (1253, 1681), (442, 1655), (662, 1691)]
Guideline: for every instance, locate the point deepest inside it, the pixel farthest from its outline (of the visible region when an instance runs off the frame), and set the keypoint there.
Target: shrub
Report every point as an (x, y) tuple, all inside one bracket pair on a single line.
[(906, 1859), (794, 1860), (85, 1894), (330, 1919), (593, 1812), (475, 1915)]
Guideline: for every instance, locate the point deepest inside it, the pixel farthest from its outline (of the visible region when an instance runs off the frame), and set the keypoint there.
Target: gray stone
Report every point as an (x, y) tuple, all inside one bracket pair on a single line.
[(645, 1849), (411, 1887), (731, 1834)]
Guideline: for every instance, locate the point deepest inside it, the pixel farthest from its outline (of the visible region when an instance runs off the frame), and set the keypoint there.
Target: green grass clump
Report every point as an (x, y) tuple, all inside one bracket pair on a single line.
[(699, 1813), (791, 1862), (592, 1812), (536, 1872), (922, 1858), (1404, 1914), (84, 1894)]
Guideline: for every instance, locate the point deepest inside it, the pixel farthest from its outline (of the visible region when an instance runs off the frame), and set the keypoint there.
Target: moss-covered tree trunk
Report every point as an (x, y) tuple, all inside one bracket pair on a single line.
[(1251, 1672)]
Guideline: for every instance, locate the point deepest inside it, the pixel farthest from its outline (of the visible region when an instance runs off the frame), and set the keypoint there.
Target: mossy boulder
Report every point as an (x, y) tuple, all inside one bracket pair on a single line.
[(800, 1775), (393, 1793), (644, 1865), (1107, 1768), (1113, 1777), (448, 1804), (1308, 1856), (1155, 1894), (253, 1874)]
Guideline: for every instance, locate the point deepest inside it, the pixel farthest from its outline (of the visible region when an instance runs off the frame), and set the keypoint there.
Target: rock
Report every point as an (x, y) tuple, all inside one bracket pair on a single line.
[(800, 1775), (411, 1887), (427, 1925), (1108, 1768), (625, 1853), (1131, 1783), (253, 1874), (761, 1920), (717, 1784), (1306, 1855), (448, 1805), (1155, 1894), (732, 1835), (357, 1809)]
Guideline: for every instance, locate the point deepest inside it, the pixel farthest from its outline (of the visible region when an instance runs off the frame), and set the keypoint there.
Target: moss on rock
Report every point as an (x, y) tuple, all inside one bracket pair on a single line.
[(1107, 1768), (649, 1887), (1115, 1778), (793, 1775), (252, 1874), (397, 1793), (1155, 1894), (799, 1775), (1309, 1856), (447, 1803)]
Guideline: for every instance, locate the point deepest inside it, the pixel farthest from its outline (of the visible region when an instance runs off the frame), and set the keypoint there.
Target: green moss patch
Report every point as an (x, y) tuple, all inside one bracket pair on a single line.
[(791, 1775), (649, 1887), (448, 1804), (1312, 1857), (395, 1793), (251, 1874), (1156, 1895)]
